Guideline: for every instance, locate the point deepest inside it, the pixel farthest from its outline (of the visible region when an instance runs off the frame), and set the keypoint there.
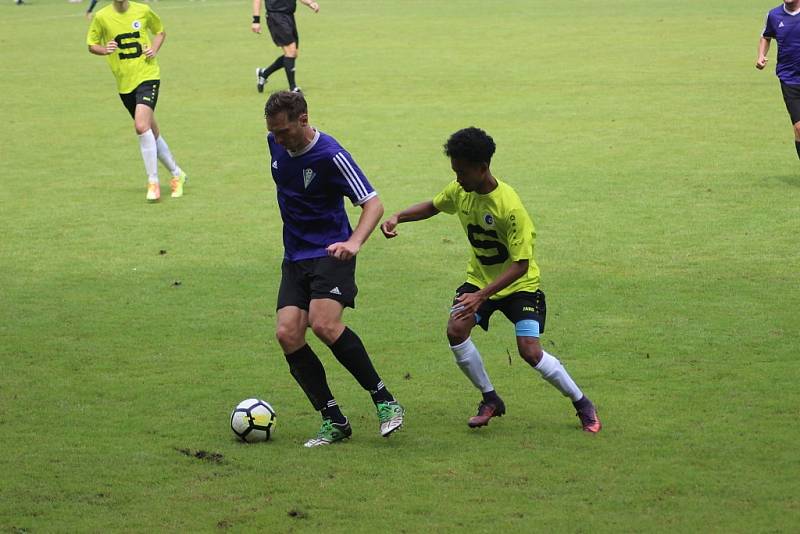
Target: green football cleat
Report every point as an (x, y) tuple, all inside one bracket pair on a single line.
[(390, 414), (153, 192), (330, 432), (177, 184)]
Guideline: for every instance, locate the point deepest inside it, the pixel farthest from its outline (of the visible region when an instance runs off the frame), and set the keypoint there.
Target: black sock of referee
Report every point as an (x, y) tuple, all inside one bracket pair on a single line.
[(350, 352), (288, 64), (309, 373), (276, 65), (797, 148)]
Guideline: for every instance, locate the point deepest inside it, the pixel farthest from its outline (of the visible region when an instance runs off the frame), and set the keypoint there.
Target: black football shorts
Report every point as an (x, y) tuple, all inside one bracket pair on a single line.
[(791, 97), (146, 93), (318, 278), (518, 307)]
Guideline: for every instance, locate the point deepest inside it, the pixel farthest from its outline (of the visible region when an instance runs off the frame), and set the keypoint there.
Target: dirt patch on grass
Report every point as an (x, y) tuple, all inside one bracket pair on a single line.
[(202, 455)]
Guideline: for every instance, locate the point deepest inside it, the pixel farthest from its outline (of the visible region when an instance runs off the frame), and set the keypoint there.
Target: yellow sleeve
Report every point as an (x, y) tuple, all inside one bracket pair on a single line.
[(95, 34), (519, 233), (445, 200), (154, 22)]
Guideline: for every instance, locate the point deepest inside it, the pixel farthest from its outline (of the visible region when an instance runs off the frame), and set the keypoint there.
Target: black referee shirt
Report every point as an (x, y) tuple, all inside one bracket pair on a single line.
[(281, 6)]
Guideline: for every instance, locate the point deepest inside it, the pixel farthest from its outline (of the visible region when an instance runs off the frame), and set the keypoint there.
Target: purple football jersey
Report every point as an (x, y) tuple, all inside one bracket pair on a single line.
[(311, 185), (785, 28)]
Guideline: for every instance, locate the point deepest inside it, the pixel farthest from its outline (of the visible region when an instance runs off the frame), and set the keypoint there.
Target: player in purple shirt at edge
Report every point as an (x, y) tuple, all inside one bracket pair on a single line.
[(313, 174), (783, 24)]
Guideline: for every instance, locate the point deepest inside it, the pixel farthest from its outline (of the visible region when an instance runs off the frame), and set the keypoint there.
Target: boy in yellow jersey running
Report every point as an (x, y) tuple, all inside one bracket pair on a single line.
[(501, 274), (121, 32)]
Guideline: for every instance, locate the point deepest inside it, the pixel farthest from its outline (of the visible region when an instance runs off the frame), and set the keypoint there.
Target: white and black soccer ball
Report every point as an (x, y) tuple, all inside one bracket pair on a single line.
[(253, 420)]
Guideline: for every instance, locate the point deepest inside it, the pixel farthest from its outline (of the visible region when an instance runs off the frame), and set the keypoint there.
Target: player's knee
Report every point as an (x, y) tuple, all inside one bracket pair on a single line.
[(530, 350), (456, 334), (327, 331), (289, 338), (797, 130), (532, 356), (141, 126)]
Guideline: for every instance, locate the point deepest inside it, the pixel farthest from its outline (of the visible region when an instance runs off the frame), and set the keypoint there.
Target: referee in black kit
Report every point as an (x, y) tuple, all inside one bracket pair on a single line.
[(283, 29)]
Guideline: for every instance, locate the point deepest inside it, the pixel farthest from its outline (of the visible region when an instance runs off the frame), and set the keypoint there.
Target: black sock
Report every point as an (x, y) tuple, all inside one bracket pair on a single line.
[(309, 373), (288, 64), (491, 396), (276, 65), (797, 147), (332, 412), (350, 352)]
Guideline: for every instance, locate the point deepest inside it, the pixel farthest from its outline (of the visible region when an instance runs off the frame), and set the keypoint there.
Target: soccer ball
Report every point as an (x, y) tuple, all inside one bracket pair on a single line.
[(253, 420)]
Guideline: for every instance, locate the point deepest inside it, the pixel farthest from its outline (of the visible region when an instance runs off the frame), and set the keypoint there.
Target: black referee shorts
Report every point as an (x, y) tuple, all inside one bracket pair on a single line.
[(282, 28), (791, 97)]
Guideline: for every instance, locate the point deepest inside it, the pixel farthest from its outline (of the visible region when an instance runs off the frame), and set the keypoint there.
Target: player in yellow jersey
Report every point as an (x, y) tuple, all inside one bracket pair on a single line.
[(121, 32), (501, 274)]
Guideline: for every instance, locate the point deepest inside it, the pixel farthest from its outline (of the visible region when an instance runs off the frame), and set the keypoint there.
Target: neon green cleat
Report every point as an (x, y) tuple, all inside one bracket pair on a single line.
[(153, 192), (390, 414), (330, 432), (177, 184)]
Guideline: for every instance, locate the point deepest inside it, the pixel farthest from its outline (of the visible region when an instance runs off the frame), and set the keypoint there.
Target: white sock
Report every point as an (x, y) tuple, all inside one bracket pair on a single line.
[(552, 371), (166, 156), (469, 360), (147, 145)]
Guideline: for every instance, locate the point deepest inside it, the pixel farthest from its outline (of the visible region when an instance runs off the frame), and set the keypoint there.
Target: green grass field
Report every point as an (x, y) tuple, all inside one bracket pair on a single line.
[(657, 164)]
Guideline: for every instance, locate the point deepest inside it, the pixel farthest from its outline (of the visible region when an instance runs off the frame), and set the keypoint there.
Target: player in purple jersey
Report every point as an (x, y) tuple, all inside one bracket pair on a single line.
[(313, 174), (783, 25)]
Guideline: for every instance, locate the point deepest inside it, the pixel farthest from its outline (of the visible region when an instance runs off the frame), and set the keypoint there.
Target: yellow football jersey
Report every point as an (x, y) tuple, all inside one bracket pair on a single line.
[(500, 231), (130, 31)]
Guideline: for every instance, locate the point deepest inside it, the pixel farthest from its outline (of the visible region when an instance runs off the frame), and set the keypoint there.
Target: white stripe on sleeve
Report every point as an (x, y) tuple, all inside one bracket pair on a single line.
[(350, 175)]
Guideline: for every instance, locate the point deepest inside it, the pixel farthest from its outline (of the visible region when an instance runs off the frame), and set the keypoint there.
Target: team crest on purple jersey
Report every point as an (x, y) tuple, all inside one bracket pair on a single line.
[(308, 176)]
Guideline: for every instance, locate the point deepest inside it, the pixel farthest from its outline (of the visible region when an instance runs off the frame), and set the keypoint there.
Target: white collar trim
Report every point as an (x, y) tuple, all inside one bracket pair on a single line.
[(308, 147), (792, 13)]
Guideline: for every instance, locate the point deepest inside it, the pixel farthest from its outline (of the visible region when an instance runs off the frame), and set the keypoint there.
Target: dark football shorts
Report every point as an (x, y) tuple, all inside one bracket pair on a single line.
[(282, 28), (791, 97), (146, 93), (318, 278), (519, 308)]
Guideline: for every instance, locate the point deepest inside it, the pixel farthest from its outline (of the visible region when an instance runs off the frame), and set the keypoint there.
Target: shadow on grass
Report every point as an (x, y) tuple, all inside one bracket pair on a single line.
[(793, 180)]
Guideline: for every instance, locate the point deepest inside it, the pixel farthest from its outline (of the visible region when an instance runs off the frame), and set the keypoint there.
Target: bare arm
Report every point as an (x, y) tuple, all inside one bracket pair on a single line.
[(763, 48), (313, 5), (468, 303), (256, 26), (158, 40), (103, 50), (371, 213), (417, 212), (514, 271)]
